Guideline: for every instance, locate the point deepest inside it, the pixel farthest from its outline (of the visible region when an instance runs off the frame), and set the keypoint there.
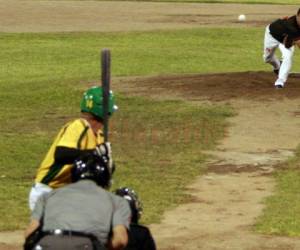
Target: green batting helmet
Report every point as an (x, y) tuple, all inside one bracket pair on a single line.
[(92, 102)]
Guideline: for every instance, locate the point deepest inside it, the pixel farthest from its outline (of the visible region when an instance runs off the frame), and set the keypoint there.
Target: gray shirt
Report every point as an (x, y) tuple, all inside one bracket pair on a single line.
[(82, 206)]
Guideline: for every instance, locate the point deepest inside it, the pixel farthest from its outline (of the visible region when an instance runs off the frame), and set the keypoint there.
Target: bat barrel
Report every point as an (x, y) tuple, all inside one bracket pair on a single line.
[(105, 79)]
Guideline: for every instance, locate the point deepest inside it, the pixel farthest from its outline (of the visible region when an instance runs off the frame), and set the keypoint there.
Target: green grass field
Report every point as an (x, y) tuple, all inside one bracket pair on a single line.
[(152, 140), (56, 56), (42, 77), (281, 215)]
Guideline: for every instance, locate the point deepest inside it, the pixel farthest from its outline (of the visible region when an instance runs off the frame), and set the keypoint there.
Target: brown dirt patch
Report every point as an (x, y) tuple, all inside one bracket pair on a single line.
[(9, 247), (64, 16), (214, 87), (232, 168)]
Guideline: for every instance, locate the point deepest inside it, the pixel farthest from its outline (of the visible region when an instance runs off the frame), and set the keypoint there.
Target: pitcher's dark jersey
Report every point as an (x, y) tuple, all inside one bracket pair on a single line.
[(285, 26)]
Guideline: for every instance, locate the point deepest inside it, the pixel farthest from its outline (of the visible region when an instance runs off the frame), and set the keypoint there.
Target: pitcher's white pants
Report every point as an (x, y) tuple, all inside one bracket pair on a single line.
[(270, 46)]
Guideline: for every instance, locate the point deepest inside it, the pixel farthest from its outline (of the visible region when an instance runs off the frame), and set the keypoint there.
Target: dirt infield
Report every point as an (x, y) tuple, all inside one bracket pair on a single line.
[(229, 198), (62, 16)]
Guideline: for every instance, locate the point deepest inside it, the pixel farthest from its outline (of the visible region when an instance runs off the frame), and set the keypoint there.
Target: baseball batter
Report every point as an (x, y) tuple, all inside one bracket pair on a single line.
[(283, 34), (79, 137)]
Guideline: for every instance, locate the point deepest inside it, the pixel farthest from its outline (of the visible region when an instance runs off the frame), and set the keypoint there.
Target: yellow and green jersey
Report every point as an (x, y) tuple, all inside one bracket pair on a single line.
[(74, 135)]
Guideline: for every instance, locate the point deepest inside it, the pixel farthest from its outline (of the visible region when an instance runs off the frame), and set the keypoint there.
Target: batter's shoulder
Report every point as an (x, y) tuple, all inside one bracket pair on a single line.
[(77, 124)]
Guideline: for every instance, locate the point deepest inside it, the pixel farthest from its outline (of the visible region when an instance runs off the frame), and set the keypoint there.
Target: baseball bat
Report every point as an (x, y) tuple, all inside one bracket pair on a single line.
[(105, 79)]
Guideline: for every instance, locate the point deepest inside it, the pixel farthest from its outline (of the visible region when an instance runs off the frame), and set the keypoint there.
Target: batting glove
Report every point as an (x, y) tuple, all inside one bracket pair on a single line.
[(104, 150)]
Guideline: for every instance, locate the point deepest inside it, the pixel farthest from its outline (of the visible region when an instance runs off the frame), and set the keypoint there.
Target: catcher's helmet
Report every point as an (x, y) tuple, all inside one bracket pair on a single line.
[(92, 102), (134, 202), (93, 167)]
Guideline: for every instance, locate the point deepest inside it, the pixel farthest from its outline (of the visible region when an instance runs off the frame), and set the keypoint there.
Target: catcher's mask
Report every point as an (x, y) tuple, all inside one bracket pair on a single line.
[(135, 204), (92, 167)]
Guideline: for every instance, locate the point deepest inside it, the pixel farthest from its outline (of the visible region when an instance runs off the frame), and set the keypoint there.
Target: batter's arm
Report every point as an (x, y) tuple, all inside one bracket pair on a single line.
[(68, 155)]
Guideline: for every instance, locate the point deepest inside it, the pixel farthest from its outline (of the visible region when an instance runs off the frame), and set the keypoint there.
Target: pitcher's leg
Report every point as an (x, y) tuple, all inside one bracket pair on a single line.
[(270, 46), (287, 61)]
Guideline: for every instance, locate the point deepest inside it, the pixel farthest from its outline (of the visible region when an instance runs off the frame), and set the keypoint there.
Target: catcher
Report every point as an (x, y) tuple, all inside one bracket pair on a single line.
[(77, 138), (283, 34), (140, 237)]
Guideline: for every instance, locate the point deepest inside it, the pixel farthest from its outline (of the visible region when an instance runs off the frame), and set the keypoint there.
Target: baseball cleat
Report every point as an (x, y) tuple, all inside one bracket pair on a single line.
[(279, 86)]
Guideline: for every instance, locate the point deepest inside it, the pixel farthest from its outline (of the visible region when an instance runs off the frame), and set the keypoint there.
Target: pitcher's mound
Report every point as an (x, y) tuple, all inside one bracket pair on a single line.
[(214, 87)]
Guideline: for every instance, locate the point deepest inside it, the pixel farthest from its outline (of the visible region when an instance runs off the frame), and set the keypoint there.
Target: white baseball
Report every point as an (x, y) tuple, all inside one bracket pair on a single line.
[(242, 18)]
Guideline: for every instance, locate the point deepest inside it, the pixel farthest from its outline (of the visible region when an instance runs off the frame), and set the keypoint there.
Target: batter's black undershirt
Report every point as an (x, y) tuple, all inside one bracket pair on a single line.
[(65, 155)]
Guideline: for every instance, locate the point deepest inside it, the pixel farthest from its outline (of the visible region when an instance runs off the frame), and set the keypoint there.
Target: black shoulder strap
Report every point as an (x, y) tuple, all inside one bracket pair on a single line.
[(83, 133)]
